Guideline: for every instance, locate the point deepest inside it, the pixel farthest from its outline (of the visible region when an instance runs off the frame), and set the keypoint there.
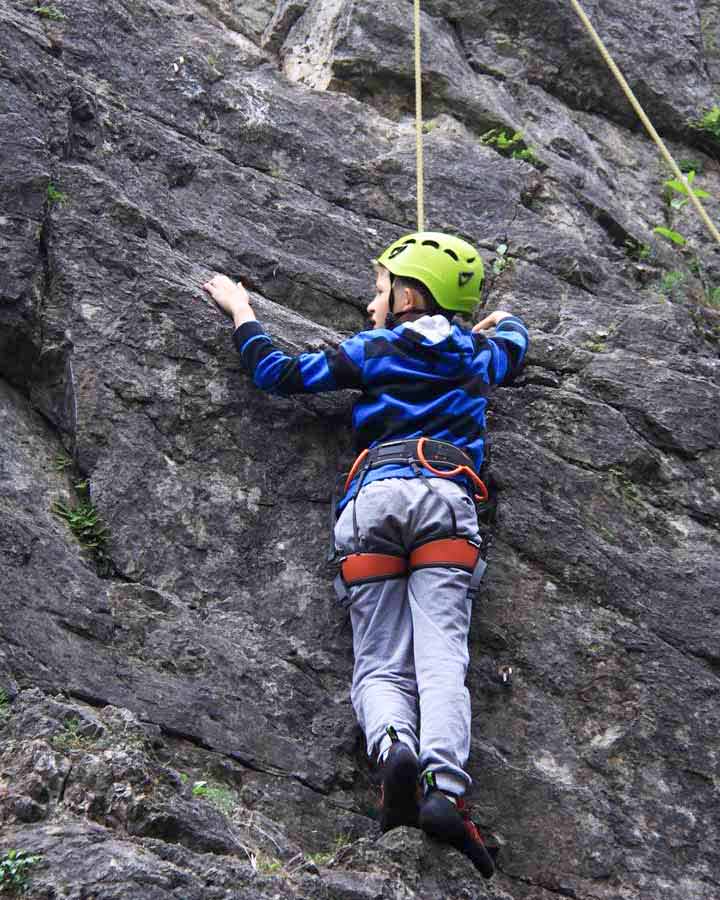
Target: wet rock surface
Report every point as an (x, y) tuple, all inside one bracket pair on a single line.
[(174, 717)]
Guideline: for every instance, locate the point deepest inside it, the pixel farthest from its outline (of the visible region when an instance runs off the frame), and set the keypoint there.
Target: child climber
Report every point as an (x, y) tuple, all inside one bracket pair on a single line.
[(407, 529)]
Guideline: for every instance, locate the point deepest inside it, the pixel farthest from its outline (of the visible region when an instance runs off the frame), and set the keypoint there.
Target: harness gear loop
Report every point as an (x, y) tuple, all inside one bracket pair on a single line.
[(459, 470), (419, 123), (627, 90), (355, 466)]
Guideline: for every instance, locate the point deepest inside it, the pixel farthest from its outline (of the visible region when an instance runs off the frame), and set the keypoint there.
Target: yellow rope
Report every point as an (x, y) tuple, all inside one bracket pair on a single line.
[(644, 119), (418, 124)]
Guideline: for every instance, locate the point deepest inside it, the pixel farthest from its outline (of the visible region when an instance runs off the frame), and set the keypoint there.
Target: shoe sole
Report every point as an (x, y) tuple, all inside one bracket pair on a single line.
[(440, 819), (400, 786)]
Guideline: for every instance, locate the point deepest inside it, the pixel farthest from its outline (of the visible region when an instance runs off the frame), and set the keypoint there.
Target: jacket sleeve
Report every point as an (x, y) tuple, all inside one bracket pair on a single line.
[(508, 349), (308, 373)]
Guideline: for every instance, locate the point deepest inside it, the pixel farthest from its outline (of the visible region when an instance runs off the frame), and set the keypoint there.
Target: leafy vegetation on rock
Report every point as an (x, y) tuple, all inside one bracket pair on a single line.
[(511, 144), (15, 866)]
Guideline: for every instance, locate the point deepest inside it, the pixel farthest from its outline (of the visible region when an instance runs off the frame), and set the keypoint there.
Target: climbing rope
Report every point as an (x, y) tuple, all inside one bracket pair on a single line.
[(419, 124), (644, 119)]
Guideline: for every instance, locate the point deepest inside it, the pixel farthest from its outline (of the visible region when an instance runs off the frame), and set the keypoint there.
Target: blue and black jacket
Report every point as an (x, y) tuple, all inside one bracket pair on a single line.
[(424, 378)]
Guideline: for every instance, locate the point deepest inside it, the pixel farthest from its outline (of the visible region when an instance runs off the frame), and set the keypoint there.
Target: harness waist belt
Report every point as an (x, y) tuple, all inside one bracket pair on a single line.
[(398, 452), (424, 452)]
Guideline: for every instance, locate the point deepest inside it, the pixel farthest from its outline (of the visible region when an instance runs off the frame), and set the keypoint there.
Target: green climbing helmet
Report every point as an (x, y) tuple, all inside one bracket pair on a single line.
[(448, 266)]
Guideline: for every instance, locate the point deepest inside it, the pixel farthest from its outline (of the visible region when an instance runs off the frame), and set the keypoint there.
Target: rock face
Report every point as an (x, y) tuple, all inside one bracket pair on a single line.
[(174, 716)]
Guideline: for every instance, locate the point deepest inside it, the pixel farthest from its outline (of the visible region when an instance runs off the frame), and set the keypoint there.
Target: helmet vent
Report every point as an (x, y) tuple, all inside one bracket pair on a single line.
[(452, 253), (431, 244), (471, 260)]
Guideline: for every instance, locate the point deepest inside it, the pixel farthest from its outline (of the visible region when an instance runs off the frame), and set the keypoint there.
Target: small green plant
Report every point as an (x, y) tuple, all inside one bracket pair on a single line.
[(673, 284), (671, 235), (265, 865), (4, 705), (709, 122), (637, 250), (712, 295), (221, 797), (323, 858), (674, 186), (49, 11), (510, 144), (200, 789), (62, 462), (70, 737), (677, 195), (502, 261), (84, 521), (14, 866), (54, 196), (690, 165)]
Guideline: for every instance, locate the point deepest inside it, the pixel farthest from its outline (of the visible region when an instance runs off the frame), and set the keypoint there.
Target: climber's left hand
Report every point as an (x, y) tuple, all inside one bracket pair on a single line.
[(230, 298)]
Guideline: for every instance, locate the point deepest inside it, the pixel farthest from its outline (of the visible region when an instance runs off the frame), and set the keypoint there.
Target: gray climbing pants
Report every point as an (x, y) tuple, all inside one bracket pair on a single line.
[(410, 634)]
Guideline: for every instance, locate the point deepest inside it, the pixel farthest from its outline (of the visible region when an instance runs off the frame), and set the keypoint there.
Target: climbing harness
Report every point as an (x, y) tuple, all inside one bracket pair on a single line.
[(644, 119), (451, 552)]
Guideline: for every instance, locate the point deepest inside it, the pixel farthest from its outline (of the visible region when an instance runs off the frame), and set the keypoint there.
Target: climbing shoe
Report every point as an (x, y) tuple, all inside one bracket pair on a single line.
[(399, 786), (441, 819)]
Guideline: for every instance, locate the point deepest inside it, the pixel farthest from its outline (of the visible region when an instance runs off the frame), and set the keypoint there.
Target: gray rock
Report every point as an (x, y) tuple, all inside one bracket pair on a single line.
[(175, 718)]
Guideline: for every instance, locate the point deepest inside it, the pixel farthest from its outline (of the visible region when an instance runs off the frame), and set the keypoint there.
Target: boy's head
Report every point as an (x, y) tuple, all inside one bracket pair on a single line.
[(426, 273), (397, 297)]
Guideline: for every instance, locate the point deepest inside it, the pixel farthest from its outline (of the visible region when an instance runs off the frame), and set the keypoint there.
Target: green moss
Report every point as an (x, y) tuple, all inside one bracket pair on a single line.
[(70, 737), (221, 797), (713, 297), (709, 123), (637, 250), (324, 857), (49, 11), (54, 196), (511, 144), (266, 865), (690, 165), (624, 486), (673, 285)]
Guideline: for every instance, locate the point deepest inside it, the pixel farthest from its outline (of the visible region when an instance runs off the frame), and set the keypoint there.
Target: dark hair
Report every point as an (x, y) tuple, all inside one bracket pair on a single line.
[(432, 307)]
